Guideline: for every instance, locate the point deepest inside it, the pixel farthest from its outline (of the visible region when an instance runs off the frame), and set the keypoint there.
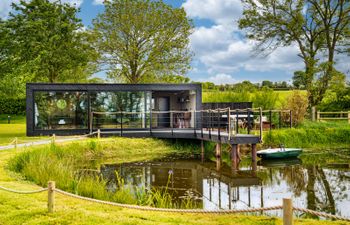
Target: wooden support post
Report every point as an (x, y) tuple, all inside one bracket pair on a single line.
[(313, 113), (219, 125), (236, 121), (349, 117), (254, 156), (234, 163), (98, 134), (202, 151), (53, 139), (287, 211), (51, 196), (218, 156)]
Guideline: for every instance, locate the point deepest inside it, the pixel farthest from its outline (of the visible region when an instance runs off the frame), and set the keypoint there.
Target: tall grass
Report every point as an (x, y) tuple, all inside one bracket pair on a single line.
[(64, 163), (311, 134)]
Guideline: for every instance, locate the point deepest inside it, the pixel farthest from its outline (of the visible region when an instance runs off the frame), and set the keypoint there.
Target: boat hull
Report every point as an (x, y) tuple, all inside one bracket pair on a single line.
[(279, 154)]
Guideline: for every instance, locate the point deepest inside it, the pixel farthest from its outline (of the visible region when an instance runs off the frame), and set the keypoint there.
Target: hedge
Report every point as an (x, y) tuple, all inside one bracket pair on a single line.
[(12, 106)]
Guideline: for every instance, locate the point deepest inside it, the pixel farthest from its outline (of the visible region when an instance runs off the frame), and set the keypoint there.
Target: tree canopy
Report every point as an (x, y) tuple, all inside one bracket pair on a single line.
[(316, 27), (48, 41), (143, 40)]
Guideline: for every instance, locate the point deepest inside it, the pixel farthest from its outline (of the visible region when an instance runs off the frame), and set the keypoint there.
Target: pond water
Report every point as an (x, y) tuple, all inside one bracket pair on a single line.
[(310, 181)]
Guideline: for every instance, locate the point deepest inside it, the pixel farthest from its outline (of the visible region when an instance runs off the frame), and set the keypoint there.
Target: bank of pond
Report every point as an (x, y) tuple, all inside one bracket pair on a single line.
[(170, 174)]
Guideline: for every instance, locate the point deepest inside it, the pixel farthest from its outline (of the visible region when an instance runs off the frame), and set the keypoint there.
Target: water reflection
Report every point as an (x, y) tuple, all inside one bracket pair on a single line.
[(311, 186)]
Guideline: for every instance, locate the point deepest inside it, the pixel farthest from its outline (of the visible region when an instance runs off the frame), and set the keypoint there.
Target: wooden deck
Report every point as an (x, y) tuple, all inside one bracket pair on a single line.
[(214, 136)]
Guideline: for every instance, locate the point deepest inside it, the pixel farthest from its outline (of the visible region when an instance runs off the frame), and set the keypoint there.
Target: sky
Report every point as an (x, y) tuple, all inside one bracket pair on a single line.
[(221, 52)]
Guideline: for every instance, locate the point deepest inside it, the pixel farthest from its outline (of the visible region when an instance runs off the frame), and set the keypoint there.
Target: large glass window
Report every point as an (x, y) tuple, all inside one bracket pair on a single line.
[(60, 110), (119, 109)]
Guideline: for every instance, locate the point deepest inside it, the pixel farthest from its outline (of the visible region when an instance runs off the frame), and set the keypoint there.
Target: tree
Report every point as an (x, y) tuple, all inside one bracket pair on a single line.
[(267, 83), (50, 43), (142, 38), (287, 22)]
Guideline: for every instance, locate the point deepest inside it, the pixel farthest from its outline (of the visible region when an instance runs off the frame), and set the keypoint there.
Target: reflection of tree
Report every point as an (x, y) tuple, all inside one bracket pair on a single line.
[(323, 187)]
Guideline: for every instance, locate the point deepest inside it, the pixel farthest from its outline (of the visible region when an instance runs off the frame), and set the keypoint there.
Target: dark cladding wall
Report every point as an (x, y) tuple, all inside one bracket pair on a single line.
[(65, 109)]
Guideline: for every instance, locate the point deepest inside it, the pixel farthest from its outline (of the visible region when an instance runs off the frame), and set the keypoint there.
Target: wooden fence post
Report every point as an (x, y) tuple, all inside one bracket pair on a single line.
[(287, 211), (98, 133), (318, 116), (313, 113), (349, 117), (51, 196), (53, 138)]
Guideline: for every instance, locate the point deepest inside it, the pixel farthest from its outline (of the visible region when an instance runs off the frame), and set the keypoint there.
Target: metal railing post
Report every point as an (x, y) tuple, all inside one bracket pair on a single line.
[(229, 123), (248, 127), (202, 124), (236, 121), (171, 123), (261, 124), (121, 123), (209, 113), (194, 123), (270, 118), (219, 124)]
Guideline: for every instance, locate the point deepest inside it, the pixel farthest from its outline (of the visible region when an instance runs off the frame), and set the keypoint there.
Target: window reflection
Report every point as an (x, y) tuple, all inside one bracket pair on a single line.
[(126, 109), (60, 110)]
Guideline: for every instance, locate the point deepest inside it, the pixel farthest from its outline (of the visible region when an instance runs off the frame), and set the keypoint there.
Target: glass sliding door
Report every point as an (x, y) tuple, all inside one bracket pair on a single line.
[(116, 110), (57, 110)]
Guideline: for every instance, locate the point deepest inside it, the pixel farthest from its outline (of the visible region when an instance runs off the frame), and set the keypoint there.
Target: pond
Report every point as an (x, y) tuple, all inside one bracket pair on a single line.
[(311, 181)]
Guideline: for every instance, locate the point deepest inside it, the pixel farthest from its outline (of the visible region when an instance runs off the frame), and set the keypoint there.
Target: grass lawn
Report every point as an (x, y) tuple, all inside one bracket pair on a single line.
[(31, 209), (17, 128)]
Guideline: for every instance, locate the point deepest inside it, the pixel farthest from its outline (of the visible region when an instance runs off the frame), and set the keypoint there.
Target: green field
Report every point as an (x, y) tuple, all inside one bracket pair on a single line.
[(230, 96)]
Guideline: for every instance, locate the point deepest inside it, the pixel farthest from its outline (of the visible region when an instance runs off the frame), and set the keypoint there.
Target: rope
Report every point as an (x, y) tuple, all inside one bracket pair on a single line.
[(147, 208), (23, 192), (202, 211), (320, 214)]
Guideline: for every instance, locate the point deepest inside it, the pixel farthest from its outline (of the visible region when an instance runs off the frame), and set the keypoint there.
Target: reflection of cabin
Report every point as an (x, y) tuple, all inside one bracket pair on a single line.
[(203, 179)]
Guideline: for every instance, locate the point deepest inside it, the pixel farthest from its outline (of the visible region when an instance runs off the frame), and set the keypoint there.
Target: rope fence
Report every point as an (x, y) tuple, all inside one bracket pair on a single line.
[(287, 205)]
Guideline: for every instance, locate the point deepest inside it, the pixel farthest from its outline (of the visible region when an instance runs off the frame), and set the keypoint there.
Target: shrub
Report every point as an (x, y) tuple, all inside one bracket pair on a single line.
[(297, 102), (12, 106), (266, 98)]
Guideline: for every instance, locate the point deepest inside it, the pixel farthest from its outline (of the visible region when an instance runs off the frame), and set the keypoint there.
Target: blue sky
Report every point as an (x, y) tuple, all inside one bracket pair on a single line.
[(222, 54)]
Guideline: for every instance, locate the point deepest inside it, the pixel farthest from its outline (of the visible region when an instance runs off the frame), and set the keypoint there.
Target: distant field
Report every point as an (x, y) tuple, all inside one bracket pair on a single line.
[(230, 96)]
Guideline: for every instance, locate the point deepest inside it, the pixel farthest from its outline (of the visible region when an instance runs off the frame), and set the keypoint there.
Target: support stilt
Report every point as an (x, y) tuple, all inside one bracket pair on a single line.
[(218, 156), (234, 148), (254, 156), (202, 151)]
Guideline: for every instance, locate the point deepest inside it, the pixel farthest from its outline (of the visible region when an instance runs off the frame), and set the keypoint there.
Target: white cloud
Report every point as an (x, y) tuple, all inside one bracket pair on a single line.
[(5, 5), (98, 2), (219, 11), (221, 78), (222, 48)]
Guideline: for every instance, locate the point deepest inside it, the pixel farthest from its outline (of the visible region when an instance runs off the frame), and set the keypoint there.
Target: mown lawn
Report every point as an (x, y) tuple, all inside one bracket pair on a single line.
[(31, 209), (17, 128)]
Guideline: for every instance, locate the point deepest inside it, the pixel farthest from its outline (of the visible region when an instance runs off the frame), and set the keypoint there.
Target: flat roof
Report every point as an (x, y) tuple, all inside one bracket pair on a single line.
[(111, 87)]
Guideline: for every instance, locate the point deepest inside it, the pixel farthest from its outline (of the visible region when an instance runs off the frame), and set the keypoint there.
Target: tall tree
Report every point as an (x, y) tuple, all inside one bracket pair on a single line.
[(141, 40), (275, 24), (49, 40)]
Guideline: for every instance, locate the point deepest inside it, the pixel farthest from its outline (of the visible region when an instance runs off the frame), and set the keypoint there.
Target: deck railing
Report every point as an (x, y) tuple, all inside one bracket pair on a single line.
[(219, 122)]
